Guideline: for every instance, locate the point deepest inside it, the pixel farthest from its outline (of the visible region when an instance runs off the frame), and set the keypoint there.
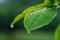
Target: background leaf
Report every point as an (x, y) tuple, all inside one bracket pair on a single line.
[(57, 33), (39, 18)]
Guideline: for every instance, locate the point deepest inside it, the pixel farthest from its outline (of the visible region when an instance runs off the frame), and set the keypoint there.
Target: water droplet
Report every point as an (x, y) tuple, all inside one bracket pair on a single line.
[(12, 26), (28, 32)]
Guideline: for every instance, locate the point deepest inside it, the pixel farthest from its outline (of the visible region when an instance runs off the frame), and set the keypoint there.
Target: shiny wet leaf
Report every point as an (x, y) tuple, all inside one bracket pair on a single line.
[(39, 18)]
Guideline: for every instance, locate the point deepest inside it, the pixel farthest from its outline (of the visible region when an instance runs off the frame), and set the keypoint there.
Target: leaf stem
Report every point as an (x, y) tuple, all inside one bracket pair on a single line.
[(49, 2), (57, 4), (52, 2)]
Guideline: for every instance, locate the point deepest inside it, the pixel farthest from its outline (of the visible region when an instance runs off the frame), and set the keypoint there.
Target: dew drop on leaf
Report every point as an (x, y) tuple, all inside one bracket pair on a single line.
[(12, 26), (28, 32)]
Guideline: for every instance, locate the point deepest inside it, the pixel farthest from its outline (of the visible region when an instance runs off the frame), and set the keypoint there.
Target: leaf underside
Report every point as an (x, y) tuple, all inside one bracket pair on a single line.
[(39, 18)]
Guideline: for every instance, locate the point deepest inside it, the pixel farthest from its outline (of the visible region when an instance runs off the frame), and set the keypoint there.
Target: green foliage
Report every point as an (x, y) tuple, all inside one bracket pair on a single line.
[(26, 11), (49, 2), (57, 3), (39, 18), (57, 33)]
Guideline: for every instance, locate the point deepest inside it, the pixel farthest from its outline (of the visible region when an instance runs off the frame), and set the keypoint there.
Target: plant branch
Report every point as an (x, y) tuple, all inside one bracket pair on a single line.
[(57, 4), (49, 2)]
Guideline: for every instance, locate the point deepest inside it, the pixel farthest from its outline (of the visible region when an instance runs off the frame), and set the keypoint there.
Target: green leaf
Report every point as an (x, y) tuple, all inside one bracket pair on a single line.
[(39, 18), (57, 33), (28, 10)]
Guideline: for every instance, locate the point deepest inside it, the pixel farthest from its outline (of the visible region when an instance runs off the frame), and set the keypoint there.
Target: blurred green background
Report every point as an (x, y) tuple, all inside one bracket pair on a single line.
[(9, 9)]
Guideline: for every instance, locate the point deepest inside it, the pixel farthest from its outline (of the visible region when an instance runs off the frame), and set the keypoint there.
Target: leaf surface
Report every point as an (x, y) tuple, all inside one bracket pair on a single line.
[(39, 18)]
